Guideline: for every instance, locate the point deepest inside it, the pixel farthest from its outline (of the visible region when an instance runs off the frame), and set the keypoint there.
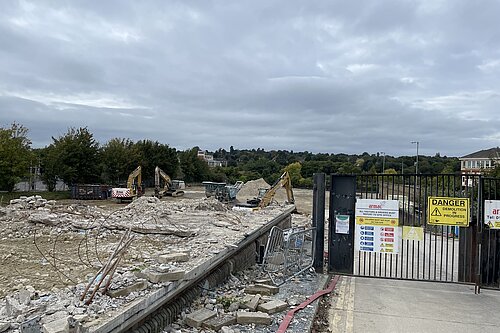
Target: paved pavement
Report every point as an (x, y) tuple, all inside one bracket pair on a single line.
[(384, 305)]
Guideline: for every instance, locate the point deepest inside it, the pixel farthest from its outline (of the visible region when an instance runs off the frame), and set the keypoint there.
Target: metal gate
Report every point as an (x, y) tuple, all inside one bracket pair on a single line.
[(441, 253)]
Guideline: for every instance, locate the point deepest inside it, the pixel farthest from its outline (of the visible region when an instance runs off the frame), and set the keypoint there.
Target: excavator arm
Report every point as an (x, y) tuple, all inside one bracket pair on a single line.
[(283, 181), (133, 175), (132, 190), (168, 188)]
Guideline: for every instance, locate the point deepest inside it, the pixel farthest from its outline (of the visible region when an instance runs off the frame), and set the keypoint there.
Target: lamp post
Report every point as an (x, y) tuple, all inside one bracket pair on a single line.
[(416, 163), (383, 161)]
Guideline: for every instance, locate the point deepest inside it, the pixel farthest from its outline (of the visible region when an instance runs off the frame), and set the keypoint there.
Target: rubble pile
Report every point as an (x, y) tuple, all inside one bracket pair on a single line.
[(250, 190), (247, 302), (32, 202), (51, 252)]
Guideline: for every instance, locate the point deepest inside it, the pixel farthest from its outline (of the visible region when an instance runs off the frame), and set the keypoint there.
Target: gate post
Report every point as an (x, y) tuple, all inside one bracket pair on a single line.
[(340, 244), (318, 221)]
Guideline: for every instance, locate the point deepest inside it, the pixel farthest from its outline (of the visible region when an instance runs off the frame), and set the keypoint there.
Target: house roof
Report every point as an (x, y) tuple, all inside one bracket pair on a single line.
[(487, 153)]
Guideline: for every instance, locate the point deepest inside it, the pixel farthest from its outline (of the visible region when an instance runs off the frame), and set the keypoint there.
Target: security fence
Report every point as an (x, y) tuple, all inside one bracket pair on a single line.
[(418, 227)]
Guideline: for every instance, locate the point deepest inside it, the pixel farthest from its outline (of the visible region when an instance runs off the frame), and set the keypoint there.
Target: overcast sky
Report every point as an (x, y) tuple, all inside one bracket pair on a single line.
[(322, 76)]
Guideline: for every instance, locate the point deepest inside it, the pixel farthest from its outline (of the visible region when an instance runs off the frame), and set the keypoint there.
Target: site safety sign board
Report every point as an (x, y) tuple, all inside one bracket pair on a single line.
[(377, 212), (377, 226), (377, 238), (492, 213), (448, 211)]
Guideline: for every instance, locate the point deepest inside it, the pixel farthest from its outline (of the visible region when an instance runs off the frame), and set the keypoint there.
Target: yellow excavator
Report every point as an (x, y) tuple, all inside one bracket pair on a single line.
[(283, 181), (134, 187), (171, 187), (266, 196)]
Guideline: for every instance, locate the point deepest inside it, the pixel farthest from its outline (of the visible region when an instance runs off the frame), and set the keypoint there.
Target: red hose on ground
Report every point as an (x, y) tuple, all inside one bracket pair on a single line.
[(289, 316)]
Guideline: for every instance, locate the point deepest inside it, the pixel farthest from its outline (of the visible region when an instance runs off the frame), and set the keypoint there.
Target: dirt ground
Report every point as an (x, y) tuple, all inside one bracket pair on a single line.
[(47, 257)]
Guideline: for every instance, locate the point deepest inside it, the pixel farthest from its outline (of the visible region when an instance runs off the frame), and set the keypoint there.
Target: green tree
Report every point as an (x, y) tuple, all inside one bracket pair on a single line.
[(390, 171), (294, 172), (15, 155), (193, 168), (48, 161), (263, 167), (77, 157), (118, 159), (152, 154)]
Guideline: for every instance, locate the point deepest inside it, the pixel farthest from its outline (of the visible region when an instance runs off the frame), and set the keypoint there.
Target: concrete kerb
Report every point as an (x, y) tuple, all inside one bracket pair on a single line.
[(322, 285), (139, 310)]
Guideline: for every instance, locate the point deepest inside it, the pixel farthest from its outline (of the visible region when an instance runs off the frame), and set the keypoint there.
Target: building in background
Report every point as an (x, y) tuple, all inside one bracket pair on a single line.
[(479, 162), (211, 161)]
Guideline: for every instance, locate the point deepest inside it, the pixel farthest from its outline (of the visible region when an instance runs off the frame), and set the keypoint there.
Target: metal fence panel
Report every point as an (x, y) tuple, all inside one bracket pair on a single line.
[(436, 256), (288, 253)]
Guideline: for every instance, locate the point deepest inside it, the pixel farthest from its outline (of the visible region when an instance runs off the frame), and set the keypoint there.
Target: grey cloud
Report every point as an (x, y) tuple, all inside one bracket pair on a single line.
[(325, 76)]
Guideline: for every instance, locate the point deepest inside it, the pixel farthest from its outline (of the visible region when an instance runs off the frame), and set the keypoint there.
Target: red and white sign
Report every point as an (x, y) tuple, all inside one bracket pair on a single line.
[(492, 213), (118, 192)]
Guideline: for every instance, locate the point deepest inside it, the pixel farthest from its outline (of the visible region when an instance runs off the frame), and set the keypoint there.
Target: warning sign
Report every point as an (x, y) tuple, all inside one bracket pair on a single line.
[(492, 213), (377, 212), (413, 233), (448, 211), (436, 212), (377, 227)]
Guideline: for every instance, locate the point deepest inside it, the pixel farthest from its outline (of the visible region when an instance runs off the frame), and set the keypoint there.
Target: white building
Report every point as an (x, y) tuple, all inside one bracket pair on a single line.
[(479, 162), (209, 158)]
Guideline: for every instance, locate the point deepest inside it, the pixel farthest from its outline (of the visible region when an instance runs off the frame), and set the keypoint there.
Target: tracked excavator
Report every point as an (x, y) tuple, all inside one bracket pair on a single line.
[(266, 196), (171, 187), (134, 187), (283, 181)]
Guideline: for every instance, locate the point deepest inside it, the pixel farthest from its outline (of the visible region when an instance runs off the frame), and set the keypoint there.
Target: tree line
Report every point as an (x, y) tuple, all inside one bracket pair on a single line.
[(77, 158)]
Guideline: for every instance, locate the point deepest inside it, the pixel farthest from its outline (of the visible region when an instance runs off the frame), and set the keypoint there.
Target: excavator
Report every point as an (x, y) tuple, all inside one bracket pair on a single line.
[(266, 195), (171, 188), (283, 181), (134, 187)]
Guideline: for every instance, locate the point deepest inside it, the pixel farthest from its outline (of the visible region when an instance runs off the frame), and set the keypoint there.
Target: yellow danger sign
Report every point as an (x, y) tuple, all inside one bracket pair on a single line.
[(448, 211)]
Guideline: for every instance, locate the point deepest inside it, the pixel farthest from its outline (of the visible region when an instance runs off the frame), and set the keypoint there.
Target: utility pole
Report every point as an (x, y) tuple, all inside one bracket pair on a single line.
[(416, 163), (383, 162)]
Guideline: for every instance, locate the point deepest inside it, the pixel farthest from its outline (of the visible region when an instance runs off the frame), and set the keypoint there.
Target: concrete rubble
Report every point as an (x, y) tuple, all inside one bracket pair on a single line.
[(232, 310), (50, 251), (251, 189)]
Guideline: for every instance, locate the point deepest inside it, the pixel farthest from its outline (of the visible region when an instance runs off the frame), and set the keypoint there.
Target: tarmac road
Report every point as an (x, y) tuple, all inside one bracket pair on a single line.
[(383, 305)]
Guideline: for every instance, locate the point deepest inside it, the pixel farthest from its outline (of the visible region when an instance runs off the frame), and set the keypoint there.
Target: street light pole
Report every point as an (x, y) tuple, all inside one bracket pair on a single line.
[(416, 164), (383, 162)]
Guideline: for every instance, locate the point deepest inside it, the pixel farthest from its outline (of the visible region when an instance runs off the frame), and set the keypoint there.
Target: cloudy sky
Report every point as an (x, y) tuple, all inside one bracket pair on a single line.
[(323, 76)]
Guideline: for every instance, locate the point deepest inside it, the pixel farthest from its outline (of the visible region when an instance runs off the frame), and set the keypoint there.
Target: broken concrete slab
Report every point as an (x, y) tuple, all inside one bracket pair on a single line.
[(225, 329), (263, 289), (158, 277), (250, 302), (258, 318), (273, 306), (173, 257), (12, 307), (57, 326), (138, 286), (197, 318), (4, 326), (217, 323)]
